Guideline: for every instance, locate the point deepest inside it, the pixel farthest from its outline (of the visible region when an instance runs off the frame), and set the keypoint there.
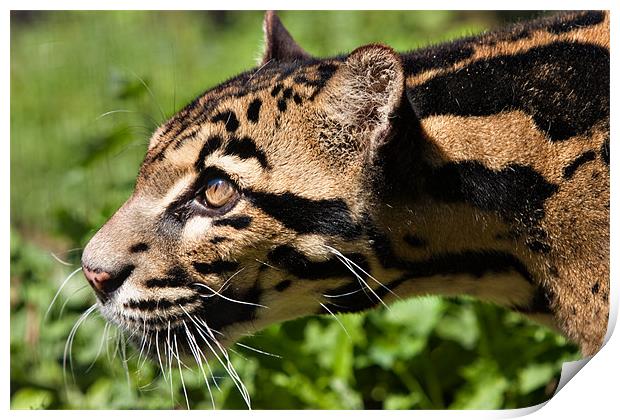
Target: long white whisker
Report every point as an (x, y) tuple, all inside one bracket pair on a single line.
[(66, 302), (161, 366), (231, 369), (193, 345), (181, 371), (245, 346), (103, 337), (336, 318), (227, 298), (347, 262), (59, 290), (116, 111), (69, 342), (163, 115), (57, 258), (362, 270), (227, 366)]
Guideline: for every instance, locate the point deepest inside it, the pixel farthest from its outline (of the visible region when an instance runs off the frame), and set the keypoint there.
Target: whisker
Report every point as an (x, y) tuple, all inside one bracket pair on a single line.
[(69, 342), (59, 290), (363, 271), (215, 293), (245, 346), (161, 111), (104, 335), (57, 258), (336, 318), (181, 371), (227, 366), (347, 262), (116, 111), (66, 302), (193, 345)]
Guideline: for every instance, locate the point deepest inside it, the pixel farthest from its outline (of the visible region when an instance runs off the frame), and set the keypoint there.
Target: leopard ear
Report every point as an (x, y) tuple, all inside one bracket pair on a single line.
[(279, 44), (363, 96)]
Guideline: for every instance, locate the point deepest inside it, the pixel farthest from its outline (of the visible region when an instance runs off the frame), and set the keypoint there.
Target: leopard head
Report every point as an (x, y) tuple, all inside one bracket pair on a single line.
[(252, 202)]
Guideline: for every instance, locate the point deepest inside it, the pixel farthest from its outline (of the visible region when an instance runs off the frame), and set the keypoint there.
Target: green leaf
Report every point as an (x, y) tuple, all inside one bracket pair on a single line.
[(31, 399), (534, 376)]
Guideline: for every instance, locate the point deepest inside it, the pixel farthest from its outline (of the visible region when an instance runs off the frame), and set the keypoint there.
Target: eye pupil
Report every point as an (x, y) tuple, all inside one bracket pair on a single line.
[(218, 192)]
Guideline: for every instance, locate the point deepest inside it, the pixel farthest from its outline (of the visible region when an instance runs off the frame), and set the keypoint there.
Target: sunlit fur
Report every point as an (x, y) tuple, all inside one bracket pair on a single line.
[(352, 197)]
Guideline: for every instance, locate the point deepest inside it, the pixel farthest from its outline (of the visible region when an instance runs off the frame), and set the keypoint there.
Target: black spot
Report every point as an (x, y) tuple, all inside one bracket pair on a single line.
[(218, 239), (516, 192), (566, 99), (296, 263), (245, 148), (605, 151), (216, 267), (595, 288), (307, 216), (211, 145), (139, 247), (282, 105), (176, 277), (584, 158), (276, 89), (414, 241), (283, 285), (237, 222), (254, 110), (297, 99), (584, 20), (229, 118)]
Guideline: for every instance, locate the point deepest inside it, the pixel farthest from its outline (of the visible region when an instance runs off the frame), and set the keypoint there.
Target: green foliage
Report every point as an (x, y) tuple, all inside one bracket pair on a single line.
[(86, 90)]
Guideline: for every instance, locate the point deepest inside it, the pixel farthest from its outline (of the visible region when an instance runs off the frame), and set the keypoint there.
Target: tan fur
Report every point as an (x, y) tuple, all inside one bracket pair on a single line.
[(325, 145)]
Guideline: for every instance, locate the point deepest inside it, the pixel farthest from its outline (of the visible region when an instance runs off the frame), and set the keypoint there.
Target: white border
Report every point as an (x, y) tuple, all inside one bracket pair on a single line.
[(592, 393)]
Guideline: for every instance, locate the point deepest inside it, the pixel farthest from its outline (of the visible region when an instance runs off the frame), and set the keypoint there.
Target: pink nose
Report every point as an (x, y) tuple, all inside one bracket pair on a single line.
[(97, 278), (105, 283)]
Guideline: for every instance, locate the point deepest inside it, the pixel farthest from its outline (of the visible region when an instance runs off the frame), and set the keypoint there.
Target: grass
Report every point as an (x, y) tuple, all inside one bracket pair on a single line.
[(87, 89)]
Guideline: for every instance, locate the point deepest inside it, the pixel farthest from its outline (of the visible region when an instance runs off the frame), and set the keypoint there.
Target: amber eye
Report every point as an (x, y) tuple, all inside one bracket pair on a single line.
[(219, 192)]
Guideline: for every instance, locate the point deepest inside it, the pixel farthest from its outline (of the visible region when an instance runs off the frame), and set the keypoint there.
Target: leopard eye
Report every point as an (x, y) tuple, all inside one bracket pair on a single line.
[(219, 192)]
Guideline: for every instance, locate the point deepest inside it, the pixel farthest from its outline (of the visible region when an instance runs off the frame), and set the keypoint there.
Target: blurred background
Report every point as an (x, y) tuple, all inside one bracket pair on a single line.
[(87, 89)]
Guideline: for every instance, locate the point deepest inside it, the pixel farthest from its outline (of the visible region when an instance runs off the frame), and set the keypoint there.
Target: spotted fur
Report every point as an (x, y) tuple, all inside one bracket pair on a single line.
[(477, 167)]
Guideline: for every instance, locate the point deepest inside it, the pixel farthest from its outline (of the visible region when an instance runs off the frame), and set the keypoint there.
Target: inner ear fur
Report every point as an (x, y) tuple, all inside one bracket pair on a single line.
[(279, 44), (364, 94)]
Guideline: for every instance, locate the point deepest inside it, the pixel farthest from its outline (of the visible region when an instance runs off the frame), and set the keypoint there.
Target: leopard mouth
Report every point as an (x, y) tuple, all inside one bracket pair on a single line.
[(195, 320)]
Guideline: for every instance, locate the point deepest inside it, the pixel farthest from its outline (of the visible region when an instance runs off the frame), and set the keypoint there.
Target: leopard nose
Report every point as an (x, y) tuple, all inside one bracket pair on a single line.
[(105, 282)]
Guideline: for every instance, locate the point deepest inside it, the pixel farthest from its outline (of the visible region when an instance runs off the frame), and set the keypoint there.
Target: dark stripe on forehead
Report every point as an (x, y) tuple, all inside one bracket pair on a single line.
[(245, 148), (211, 145), (229, 119), (576, 75), (307, 216)]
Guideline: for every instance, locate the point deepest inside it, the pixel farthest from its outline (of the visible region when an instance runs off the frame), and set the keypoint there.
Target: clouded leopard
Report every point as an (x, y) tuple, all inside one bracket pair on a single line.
[(305, 186)]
